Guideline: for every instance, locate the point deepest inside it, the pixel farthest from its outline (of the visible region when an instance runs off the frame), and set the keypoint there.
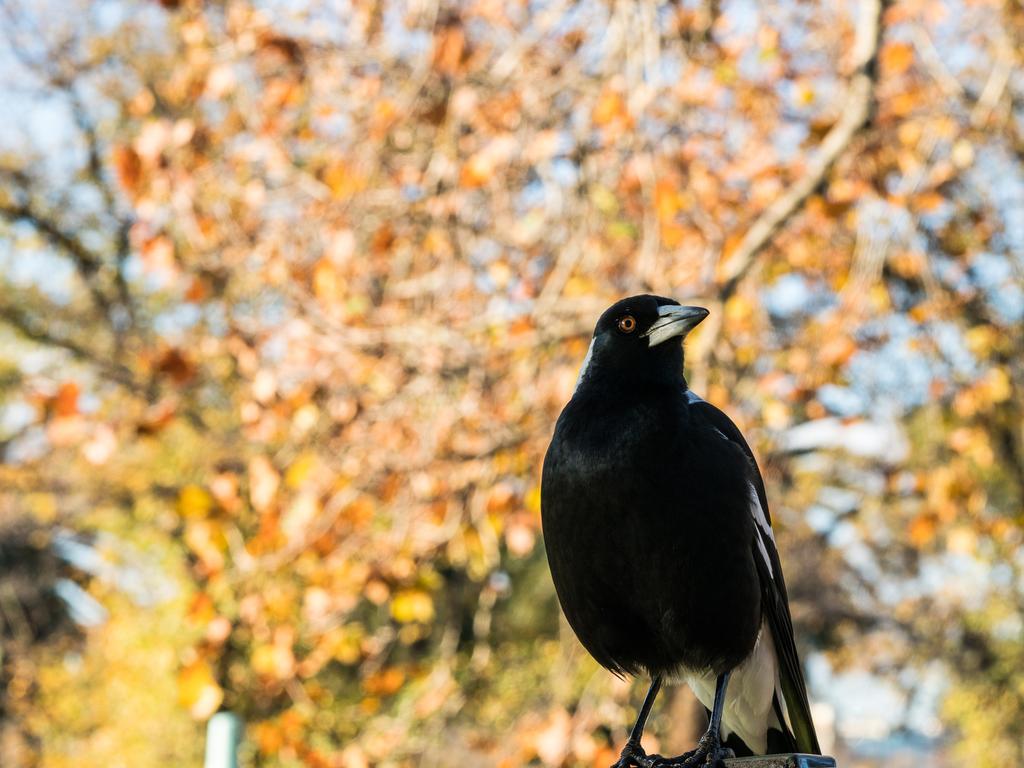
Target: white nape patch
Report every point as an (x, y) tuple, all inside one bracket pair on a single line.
[(748, 699), (762, 523), (586, 364)]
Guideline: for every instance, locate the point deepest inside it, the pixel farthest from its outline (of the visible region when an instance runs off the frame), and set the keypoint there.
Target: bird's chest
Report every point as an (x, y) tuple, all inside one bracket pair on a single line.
[(609, 473), (646, 538), (612, 491), (638, 486)]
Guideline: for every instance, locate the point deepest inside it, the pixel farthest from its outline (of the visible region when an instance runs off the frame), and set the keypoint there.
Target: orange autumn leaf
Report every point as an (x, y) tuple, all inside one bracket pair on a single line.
[(128, 167), (897, 57), (385, 682), (65, 402), (610, 106), (175, 364), (449, 48), (477, 171), (922, 530)]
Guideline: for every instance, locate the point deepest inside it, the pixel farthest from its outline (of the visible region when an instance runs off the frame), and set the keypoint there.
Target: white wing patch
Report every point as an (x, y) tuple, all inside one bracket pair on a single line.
[(762, 524), (586, 364), (748, 699)]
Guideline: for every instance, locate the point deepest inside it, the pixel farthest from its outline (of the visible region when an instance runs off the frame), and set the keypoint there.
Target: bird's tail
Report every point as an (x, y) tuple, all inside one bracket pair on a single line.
[(799, 711)]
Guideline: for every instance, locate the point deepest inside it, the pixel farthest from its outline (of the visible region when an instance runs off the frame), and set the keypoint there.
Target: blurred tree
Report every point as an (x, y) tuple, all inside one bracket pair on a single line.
[(292, 295)]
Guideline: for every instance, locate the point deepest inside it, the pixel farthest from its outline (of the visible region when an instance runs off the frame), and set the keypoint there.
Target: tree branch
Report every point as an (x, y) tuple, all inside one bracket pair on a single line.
[(34, 331), (122, 245), (56, 71), (87, 263), (855, 115)]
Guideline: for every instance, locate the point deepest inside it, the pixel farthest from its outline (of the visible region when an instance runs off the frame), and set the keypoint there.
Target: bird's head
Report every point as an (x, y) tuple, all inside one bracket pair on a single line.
[(640, 339)]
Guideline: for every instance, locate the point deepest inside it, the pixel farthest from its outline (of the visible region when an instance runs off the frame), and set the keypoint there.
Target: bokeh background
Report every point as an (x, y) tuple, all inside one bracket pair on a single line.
[(293, 292)]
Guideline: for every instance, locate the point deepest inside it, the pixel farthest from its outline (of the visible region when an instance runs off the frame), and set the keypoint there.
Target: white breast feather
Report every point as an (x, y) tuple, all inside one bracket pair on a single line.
[(748, 699)]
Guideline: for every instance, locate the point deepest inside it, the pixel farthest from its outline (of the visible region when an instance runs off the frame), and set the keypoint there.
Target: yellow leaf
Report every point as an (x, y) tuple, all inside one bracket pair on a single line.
[(346, 646), (532, 499), (579, 286), (738, 309), (604, 200), (263, 661), (412, 605), (342, 181), (997, 385), (194, 502), (879, 297), (610, 106), (981, 339), (43, 506), (198, 691), (328, 284), (300, 470)]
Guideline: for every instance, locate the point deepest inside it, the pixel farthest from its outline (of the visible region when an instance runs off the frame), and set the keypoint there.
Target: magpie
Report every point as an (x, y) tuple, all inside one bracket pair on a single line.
[(660, 544)]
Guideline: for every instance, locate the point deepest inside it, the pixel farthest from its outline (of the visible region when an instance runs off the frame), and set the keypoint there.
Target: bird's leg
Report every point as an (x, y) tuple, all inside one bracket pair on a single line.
[(633, 755), (709, 752)]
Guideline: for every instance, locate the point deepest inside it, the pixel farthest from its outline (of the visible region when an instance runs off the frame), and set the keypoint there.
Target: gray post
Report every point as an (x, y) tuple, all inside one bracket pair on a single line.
[(223, 733), (782, 761)]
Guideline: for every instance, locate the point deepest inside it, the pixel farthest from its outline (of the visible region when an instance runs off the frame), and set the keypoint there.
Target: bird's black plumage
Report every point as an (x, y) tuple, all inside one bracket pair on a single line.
[(656, 522)]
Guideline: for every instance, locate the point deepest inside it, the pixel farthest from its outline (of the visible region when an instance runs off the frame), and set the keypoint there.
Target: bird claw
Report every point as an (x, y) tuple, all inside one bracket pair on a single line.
[(708, 754), (633, 756), (709, 758)]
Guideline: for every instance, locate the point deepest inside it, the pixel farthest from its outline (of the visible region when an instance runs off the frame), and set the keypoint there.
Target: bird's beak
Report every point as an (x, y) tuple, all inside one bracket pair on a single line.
[(674, 321)]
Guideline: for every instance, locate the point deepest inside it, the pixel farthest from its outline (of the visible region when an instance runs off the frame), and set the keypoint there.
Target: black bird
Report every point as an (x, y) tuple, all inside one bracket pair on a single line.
[(660, 544)]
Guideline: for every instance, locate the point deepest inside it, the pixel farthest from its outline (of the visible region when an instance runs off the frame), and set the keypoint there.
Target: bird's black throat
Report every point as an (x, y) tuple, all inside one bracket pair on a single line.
[(614, 367)]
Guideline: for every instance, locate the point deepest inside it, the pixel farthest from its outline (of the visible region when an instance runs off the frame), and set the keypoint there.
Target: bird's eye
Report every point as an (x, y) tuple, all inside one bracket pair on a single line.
[(627, 324)]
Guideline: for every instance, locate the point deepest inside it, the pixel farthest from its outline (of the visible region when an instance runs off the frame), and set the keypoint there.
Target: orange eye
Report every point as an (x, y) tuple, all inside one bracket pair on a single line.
[(627, 324)]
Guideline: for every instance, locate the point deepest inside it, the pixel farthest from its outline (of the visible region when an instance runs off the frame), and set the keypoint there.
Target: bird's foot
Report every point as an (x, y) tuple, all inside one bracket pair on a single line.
[(709, 754), (633, 756)]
